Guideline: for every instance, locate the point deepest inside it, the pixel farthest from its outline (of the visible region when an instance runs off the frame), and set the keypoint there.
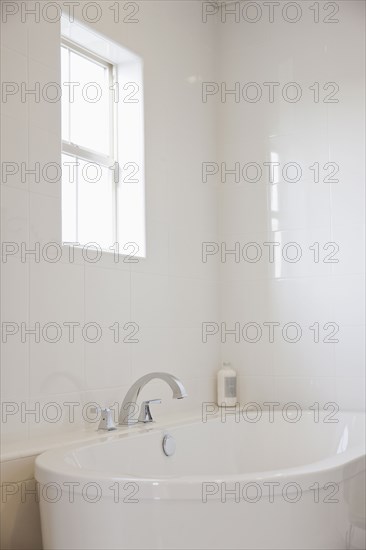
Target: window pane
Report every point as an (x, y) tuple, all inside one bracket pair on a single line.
[(69, 198), (95, 204), (65, 77), (89, 111)]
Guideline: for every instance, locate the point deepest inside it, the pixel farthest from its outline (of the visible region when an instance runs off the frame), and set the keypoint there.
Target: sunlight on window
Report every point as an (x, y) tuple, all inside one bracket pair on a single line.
[(103, 165), (88, 188)]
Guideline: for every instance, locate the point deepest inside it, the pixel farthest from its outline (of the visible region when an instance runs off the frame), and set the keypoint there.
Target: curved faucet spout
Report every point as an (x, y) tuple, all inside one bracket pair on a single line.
[(129, 405)]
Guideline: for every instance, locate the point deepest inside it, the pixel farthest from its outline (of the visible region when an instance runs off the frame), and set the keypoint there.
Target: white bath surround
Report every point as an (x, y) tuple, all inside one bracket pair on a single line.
[(233, 485)]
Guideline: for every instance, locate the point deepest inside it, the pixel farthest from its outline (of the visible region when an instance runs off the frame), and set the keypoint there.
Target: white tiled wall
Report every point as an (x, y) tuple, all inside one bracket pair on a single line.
[(304, 212), (171, 292), (168, 294)]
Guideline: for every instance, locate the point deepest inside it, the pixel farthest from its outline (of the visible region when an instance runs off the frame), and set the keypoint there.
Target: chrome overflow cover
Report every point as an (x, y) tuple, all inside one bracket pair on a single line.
[(169, 445)]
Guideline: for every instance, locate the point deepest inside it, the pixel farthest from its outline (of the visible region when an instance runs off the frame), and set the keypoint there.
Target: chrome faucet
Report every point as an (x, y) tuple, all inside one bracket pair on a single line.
[(129, 405), (106, 418)]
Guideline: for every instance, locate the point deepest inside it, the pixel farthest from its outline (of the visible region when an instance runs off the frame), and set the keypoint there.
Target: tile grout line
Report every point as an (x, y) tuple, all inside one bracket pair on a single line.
[(28, 237)]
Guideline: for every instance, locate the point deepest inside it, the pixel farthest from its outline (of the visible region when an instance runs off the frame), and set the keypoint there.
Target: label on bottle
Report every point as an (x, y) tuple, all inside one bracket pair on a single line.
[(230, 386)]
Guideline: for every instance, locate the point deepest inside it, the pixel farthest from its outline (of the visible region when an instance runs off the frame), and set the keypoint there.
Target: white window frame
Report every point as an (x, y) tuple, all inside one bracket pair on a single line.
[(130, 208), (79, 152)]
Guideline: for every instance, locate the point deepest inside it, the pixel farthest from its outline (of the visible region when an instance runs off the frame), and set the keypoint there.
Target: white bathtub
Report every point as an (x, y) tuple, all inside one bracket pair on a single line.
[(249, 485)]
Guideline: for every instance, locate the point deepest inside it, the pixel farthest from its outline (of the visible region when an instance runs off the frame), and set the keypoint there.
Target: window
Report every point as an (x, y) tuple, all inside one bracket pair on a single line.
[(101, 202), (88, 147)]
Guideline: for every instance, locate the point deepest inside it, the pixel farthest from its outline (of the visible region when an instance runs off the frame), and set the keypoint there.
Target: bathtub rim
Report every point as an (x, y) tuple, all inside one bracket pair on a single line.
[(50, 466)]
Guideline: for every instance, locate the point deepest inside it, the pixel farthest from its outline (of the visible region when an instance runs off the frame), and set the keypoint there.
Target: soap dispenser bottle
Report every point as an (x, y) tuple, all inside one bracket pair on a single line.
[(226, 386)]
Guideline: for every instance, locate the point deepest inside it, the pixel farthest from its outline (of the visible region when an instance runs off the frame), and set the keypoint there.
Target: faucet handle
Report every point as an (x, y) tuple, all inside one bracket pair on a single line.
[(106, 420), (145, 413)]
